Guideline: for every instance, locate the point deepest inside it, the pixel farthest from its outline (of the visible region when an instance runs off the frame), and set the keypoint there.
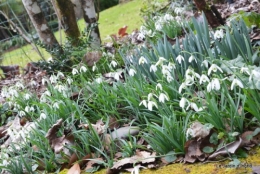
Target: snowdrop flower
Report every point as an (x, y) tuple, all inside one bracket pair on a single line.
[(53, 79), (190, 72), (171, 66), (113, 63), (160, 61), (168, 17), (143, 102), (19, 85), (69, 80), (213, 85), (203, 79), (56, 105), (136, 169), (205, 63), (195, 107), (99, 80), (140, 36), (191, 58), (27, 96), (163, 97), (169, 78), (158, 86), (94, 67), (189, 80), (117, 76), (142, 60), (42, 116), (60, 75), (218, 34), (158, 25), (60, 88), (236, 82), (182, 86), (151, 104), (74, 71), (21, 113), (165, 70), (33, 83), (150, 95), (245, 70), (13, 92), (83, 69), (132, 72), (255, 74), (214, 68), (180, 58), (153, 68), (183, 102)]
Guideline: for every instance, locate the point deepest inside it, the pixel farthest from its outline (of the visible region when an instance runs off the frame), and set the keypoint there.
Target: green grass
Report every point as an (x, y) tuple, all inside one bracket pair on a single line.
[(110, 21)]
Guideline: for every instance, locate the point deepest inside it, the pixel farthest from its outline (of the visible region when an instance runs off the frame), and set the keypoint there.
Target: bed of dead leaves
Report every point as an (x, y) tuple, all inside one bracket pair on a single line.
[(194, 148)]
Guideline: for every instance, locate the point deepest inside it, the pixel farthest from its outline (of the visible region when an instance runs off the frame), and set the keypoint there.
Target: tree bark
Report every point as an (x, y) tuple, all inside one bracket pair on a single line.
[(212, 19), (90, 17), (68, 19), (37, 17)]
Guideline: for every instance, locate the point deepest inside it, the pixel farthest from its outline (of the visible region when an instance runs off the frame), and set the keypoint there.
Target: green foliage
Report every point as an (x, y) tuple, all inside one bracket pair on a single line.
[(104, 4), (250, 18)]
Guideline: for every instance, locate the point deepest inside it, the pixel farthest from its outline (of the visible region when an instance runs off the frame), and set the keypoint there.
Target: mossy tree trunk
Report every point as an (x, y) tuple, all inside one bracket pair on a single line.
[(37, 17), (68, 19), (213, 17), (90, 17)]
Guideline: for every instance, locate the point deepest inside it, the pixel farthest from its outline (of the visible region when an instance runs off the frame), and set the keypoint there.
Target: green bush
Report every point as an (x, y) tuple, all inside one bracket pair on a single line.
[(105, 4)]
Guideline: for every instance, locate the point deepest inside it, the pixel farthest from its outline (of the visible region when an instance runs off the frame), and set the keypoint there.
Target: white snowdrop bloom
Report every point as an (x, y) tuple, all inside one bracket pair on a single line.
[(179, 59), (171, 66), (158, 86), (163, 97), (190, 72), (218, 34), (236, 82), (27, 109), (69, 80), (110, 55), (143, 102), (245, 70), (153, 68), (113, 63), (158, 25), (255, 74), (160, 61), (150, 95), (205, 63), (53, 79), (169, 78), (168, 17), (132, 72), (213, 85), (4, 92), (117, 76), (74, 71), (56, 105), (21, 113), (150, 33), (204, 78), (13, 92), (60, 75), (142, 60), (47, 93), (99, 80), (151, 104), (140, 36), (184, 102), (42, 116), (60, 88), (33, 83), (214, 68), (191, 58), (165, 70), (94, 67), (83, 69), (189, 80), (136, 169), (194, 106), (27, 96), (19, 85), (44, 80), (182, 86)]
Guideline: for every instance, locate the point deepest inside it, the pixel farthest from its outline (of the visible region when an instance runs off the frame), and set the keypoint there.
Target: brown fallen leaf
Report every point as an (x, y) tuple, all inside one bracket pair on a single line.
[(73, 159), (3, 131), (193, 152), (229, 148), (75, 169), (113, 123)]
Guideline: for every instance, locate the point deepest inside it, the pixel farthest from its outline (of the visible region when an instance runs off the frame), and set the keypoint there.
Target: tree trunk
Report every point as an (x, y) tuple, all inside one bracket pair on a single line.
[(90, 18), (212, 19), (68, 19), (37, 17)]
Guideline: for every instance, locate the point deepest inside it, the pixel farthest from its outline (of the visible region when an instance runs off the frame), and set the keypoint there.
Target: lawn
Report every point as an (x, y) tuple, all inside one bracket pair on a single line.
[(110, 21)]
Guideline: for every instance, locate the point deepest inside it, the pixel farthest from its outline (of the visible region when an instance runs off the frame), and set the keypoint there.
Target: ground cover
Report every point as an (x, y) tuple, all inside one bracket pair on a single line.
[(173, 92)]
